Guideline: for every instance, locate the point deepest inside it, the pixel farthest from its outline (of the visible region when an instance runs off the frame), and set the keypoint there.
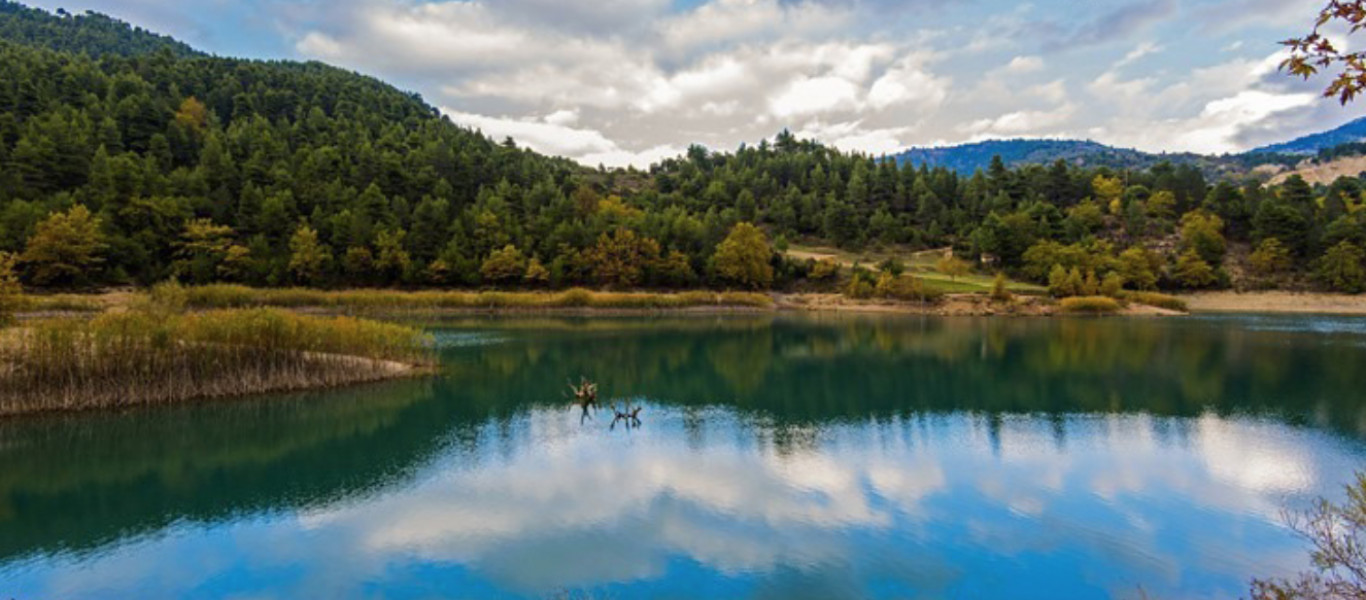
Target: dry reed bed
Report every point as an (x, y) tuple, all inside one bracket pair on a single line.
[(1095, 305), (236, 296), (149, 356)]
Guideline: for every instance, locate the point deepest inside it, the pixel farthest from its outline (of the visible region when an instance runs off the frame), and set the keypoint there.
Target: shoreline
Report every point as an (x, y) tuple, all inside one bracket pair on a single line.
[(233, 386), (412, 304), (1276, 302), (141, 356), (337, 370), (667, 303)]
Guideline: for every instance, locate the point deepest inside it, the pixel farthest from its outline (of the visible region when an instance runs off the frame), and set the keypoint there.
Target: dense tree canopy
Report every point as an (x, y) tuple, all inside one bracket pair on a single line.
[(175, 164)]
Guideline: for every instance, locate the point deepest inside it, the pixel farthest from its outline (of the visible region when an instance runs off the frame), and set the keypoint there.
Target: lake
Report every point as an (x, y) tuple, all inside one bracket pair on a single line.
[(777, 457)]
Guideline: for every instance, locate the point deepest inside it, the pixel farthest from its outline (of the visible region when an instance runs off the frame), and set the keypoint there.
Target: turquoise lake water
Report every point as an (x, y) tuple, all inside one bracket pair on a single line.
[(777, 457)]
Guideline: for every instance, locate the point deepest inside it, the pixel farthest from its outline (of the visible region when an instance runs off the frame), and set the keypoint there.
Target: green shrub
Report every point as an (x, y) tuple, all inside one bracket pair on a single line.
[(859, 289), (1089, 305), (1158, 300), (755, 299), (906, 288), (1000, 291), (825, 270)]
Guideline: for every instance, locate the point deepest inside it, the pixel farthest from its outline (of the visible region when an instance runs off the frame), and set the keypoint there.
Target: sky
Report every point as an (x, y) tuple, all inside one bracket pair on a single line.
[(620, 82)]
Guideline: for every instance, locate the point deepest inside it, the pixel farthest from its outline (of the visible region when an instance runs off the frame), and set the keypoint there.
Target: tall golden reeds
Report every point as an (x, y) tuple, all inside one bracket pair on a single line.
[(151, 355), (1158, 300), (236, 296), (1095, 305)]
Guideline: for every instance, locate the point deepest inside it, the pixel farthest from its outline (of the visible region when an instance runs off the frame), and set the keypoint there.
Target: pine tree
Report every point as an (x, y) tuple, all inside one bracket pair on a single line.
[(1341, 268)]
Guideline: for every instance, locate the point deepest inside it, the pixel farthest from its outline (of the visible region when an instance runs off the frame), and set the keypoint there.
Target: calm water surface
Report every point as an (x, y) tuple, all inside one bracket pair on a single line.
[(785, 457)]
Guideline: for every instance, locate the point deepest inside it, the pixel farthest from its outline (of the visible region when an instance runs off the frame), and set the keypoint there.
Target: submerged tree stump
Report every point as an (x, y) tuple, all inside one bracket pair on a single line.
[(628, 415), (585, 396)]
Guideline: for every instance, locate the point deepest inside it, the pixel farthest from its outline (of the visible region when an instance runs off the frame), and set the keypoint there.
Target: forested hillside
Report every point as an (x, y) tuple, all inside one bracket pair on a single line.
[(161, 145), (89, 33), (127, 159)]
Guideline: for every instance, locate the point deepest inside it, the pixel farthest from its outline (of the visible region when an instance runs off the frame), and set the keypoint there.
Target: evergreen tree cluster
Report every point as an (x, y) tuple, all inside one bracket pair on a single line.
[(126, 157), (89, 33)]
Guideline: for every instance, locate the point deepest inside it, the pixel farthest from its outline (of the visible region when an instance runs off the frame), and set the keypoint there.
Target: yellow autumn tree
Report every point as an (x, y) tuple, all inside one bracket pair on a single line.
[(64, 248), (1108, 191), (503, 266), (193, 115), (952, 266), (743, 257), (622, 258), (11, 293), (309, 257)]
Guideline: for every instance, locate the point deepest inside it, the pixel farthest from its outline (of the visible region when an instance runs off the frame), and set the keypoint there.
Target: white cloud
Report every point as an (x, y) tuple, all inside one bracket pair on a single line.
[(623, 158), (564, 117), (728, 21), (1217, 127), (624, 80), (1137, 53), (815, 95), (908, 82), (540, 135), (553, 134), (1053, 92), (1024, 64), (1021, 122)]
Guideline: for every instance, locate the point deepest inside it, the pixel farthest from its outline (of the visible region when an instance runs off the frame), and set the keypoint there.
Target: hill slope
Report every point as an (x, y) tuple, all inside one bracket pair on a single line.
[(1310, 144), (149, 134), (967, 158), (90, 33), (140, 164)]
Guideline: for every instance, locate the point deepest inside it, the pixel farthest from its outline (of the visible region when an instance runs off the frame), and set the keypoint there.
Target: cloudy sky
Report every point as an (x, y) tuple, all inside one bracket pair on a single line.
[(629, 81)]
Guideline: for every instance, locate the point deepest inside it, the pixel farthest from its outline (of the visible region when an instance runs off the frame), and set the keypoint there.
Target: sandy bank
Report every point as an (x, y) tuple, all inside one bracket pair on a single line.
[(1277, 302)]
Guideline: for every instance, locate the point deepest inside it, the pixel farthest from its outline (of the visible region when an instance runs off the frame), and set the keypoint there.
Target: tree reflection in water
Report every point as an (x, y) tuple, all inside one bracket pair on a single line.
[(792, 456)]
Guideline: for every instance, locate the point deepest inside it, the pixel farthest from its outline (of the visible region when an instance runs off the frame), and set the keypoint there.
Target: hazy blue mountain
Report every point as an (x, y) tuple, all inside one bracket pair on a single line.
[(966, 158), (1311, 144)]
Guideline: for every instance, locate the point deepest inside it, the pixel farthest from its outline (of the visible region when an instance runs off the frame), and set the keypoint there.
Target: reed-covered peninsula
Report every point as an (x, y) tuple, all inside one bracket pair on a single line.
[(151, 355)]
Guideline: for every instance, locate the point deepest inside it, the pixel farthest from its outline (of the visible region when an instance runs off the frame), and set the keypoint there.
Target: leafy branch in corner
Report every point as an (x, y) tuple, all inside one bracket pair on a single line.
[(1337, 534), (1316, 52)]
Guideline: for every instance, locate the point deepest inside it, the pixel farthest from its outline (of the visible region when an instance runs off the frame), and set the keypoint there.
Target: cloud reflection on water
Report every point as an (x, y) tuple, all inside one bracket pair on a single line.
[(854, 458), (933, 502)]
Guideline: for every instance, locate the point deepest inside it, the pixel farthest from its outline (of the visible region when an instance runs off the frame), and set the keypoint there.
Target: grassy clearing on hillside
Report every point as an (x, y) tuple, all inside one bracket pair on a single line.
[(921, 264), (236, 296), (149, 355)]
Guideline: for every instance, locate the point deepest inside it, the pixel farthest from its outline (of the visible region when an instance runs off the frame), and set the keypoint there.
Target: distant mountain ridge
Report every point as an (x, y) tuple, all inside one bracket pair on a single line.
[(967, 158), (1354, 131)]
